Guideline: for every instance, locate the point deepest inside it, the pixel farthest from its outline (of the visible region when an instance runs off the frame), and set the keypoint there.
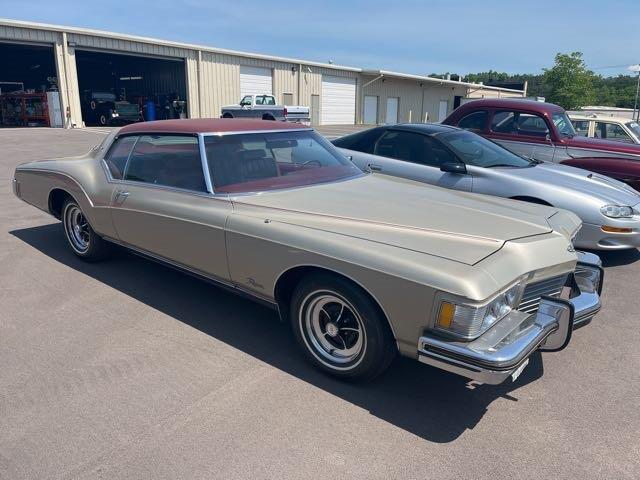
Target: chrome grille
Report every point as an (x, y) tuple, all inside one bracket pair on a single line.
[(531, 297)]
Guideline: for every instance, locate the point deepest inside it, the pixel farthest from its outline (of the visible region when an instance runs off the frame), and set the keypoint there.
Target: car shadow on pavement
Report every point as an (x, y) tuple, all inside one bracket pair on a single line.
[(616, 258), (432, 404)]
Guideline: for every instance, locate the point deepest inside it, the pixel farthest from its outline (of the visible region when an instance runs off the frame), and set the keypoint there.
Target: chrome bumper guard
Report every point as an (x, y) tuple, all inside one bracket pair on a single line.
[(586, 302), (504, 349)]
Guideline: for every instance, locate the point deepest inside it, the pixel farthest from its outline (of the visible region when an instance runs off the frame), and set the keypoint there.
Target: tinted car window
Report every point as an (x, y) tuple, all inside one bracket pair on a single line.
[(360, 142), (118, 154), (169, 160), (413, 147), (259, 162), (475, 150), (474, 121), (401, 145)]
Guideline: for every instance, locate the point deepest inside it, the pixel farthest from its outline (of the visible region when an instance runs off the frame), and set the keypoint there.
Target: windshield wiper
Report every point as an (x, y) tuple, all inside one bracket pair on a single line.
[(501, 165)]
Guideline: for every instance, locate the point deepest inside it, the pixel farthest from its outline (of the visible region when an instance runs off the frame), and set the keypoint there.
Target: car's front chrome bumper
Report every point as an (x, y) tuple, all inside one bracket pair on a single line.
[(506, 347), (593, 237)]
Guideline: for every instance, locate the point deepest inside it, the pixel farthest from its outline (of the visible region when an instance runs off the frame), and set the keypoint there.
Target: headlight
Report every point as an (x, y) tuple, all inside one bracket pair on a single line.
[(467, 319), (616, 211), (588, 277)]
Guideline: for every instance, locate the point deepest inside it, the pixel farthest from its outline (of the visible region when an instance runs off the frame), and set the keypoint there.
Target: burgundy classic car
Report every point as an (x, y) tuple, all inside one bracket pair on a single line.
[(537, 130), (627, 171)]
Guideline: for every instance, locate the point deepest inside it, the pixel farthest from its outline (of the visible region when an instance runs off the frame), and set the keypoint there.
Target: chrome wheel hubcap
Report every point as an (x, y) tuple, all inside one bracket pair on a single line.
[(77, 229), (333, 328)]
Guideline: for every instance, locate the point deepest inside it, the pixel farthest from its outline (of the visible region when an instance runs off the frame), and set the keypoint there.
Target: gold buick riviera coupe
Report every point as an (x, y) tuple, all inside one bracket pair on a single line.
[(362, 265)]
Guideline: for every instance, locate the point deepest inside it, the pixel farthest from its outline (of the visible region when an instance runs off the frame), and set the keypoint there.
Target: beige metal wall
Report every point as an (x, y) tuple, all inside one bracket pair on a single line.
[(220, 74), (490, 93), (419, 101), (213, 78)]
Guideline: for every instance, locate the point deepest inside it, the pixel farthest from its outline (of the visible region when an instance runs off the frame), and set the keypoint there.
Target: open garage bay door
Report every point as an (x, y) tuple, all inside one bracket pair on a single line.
[(255, 80), (116, 89), (338, 101), (28, 86)]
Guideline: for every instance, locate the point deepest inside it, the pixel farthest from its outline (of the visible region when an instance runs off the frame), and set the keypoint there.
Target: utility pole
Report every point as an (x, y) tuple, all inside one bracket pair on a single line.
[(636, 112)]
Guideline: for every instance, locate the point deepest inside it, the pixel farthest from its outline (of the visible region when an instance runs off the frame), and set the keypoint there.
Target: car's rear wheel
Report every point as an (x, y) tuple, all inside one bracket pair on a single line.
[(84, 242), (340, 328)]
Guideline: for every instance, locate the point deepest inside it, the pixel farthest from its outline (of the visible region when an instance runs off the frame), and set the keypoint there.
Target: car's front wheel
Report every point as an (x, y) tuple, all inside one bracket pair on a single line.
[(84, 242), (340, 328)]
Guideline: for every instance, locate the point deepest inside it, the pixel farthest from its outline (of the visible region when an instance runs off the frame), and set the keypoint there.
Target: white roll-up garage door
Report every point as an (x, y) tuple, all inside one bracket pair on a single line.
[(338, 101), (255, 80)]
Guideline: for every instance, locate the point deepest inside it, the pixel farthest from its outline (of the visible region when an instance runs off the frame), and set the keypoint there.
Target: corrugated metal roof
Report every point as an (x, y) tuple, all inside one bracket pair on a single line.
[(204, 48)]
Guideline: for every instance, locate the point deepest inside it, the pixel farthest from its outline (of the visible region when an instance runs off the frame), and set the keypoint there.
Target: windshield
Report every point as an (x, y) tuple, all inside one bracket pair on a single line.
[(635, 129), (563, 124), (272, 160), (475, 150)]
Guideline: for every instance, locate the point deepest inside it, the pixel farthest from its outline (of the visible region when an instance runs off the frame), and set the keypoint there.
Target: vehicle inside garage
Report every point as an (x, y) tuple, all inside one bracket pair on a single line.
[(28, 86), (116, 89)]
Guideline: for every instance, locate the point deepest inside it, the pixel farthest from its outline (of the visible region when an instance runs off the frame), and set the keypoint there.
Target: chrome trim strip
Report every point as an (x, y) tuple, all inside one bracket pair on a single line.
[(242, 132), (205, 164)]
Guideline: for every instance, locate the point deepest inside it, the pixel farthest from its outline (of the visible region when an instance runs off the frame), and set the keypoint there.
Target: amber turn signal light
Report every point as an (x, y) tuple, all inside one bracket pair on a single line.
[(606, 228), (445, 317)]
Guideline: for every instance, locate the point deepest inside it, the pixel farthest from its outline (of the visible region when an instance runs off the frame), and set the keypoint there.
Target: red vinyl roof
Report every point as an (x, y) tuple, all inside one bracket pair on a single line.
[(205, 125)]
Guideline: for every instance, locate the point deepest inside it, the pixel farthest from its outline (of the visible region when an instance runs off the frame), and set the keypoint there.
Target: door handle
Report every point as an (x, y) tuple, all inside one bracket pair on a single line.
[(375, 168), (121, 194)]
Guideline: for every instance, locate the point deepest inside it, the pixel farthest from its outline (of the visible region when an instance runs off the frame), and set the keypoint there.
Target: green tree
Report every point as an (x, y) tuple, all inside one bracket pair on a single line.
[(568, 83)]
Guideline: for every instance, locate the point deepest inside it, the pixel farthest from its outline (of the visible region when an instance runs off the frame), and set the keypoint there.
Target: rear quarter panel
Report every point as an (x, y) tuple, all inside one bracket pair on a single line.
[(83, 178)]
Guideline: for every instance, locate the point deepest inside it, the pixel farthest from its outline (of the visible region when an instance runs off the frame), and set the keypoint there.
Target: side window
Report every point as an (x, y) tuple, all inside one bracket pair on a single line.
[(269, 100), (246, 100), (474, 121), (530, 124), (436, 153), (117, 156), (517, 123), (612, 131), (361, 141), (504, 121), (581, 127), (412, 147), (260, 100), (169, 160)]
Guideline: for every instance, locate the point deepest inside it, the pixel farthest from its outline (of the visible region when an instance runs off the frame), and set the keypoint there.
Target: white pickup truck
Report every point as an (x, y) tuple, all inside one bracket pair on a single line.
[(264, 106)]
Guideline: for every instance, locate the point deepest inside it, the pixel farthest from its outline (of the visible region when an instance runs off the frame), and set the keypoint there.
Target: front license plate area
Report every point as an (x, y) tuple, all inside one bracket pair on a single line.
[(516, 374)]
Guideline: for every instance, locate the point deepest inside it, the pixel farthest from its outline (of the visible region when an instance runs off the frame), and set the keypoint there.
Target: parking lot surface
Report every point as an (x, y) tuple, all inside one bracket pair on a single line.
[(126, 369)]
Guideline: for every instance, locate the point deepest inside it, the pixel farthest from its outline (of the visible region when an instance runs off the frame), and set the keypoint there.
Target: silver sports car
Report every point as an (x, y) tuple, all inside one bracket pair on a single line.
[(453, 158)]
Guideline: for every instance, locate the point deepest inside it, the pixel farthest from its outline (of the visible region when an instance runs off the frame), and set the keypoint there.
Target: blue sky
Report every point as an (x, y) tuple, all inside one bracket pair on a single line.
[(410, 36)]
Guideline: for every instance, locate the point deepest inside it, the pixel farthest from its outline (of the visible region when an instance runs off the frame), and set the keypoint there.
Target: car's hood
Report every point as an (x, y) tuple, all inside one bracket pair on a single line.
[(600, 144), (604, 188), (458, 226)]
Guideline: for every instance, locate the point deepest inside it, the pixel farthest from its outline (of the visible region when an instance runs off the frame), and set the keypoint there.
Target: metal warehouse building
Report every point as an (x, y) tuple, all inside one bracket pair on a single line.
[(60, 67)]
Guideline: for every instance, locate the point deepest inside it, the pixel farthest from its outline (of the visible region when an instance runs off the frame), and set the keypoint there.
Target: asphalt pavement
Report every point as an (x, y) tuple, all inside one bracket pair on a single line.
[(127, 369)]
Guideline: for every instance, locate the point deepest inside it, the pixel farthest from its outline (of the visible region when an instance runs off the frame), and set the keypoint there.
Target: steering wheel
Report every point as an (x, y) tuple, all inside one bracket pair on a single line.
[(312, 162)]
